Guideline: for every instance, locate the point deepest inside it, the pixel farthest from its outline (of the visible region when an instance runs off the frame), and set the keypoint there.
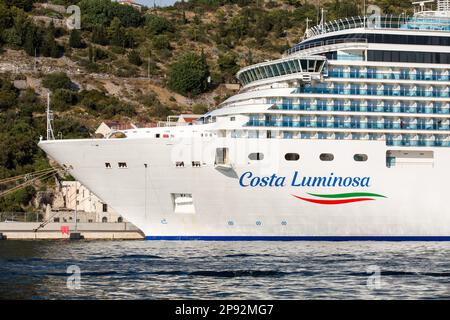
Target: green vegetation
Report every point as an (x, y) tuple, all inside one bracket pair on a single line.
[(189, 75), (57, 80)]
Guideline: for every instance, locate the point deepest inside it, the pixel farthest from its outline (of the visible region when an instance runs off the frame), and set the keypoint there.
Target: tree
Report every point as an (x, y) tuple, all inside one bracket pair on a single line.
[(57, 80), (199, 108), (161, 42), (228, 65), (75, 40), (32, 41), (62, 99), (6, 19), (102, 12), (134, 58), (8, 94), (116, 33), (7, 99), (49, 46), (189, 75), (99, 35), (157, 25), (26, 5)]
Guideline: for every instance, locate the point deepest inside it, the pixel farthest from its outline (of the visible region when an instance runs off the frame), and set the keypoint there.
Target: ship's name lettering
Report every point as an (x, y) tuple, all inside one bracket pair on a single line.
[(248, 179)]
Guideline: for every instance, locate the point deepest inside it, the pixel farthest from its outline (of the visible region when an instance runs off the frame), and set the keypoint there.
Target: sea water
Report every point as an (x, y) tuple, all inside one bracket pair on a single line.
[(223, 270)]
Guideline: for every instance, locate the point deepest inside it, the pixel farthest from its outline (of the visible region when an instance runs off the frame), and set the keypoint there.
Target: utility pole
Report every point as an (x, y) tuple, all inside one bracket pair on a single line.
[(76, 206), (50, 135), (75, 235), (148, 68)]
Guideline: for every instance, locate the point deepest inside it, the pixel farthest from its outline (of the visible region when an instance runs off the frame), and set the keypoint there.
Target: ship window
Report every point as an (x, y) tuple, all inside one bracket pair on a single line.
[(157, 135), (107, 165), (122, 165), (179, 164), (326, 157), (360, 157), (232, 118), (256, 156), (292, 156)]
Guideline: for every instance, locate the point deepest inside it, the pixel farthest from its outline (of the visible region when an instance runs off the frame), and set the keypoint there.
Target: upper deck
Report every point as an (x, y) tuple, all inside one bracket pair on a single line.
[(402, 22), (439, 25)]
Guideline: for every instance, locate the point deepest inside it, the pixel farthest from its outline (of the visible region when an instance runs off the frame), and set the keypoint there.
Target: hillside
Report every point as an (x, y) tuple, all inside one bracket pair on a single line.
[(125, 64)]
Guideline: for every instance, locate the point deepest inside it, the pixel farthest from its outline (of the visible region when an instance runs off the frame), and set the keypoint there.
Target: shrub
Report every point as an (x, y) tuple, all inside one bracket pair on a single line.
[(134, 58), (57, 80), (199, 108), (189, 75)]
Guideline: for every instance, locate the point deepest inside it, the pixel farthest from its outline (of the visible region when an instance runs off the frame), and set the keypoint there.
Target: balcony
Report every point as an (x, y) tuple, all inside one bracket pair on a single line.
[(353, 124), (357, 107), (359, 74), (375, 91)]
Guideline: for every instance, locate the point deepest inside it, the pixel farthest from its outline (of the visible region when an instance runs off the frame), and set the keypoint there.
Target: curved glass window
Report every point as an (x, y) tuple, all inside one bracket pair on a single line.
[(279, 69)]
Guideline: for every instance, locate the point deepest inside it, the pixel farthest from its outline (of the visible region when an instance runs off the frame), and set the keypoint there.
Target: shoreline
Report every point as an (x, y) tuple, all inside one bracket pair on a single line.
[(58, 231)]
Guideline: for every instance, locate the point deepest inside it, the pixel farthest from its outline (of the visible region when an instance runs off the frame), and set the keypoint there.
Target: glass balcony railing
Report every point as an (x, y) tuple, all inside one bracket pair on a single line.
[(401, 92), (339, 124), (357, 74), (305, 106), (418, 143)]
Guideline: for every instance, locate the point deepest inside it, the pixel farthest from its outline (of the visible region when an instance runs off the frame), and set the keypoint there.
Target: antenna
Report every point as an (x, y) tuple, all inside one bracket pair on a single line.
[(421, 4), (50, 135), (322, 19)]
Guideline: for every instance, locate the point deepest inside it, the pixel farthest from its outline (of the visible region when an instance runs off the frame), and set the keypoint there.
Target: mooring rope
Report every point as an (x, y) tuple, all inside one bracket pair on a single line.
[(24, 176), (41, 176)]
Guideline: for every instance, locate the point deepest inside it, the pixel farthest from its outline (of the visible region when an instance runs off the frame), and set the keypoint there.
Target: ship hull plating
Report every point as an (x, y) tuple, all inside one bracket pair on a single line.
[(313, 201)]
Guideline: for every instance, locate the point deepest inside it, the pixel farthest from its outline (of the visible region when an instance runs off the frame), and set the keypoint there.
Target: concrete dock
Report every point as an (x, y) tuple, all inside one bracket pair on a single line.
[(106, 231)]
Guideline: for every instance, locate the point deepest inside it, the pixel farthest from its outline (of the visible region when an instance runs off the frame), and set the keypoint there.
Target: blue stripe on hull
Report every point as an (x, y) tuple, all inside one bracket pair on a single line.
[(301, 238)]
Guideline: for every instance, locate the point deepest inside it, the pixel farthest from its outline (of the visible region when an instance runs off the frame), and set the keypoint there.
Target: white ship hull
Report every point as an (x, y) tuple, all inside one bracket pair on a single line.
[(410, 202)]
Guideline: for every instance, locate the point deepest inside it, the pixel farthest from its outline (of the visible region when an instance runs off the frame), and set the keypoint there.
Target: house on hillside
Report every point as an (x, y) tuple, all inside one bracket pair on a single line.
[(107, 127), (131, 3), (188, 119)]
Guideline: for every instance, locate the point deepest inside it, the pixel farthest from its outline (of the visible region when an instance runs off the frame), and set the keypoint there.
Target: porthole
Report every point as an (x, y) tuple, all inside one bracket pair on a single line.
[(292, 156), (326, 157), (256, 156), (230, 223), (258, 223), (360, 157)]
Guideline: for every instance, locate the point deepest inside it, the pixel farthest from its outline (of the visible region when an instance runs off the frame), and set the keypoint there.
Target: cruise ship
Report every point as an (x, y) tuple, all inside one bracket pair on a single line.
[(344, 137)]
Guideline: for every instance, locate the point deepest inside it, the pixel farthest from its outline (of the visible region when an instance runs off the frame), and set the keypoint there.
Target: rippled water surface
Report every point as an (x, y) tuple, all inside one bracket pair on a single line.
[(225, 270)]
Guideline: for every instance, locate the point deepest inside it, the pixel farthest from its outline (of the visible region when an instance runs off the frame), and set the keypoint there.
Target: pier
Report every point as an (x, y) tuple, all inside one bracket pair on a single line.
[(54, 231)]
